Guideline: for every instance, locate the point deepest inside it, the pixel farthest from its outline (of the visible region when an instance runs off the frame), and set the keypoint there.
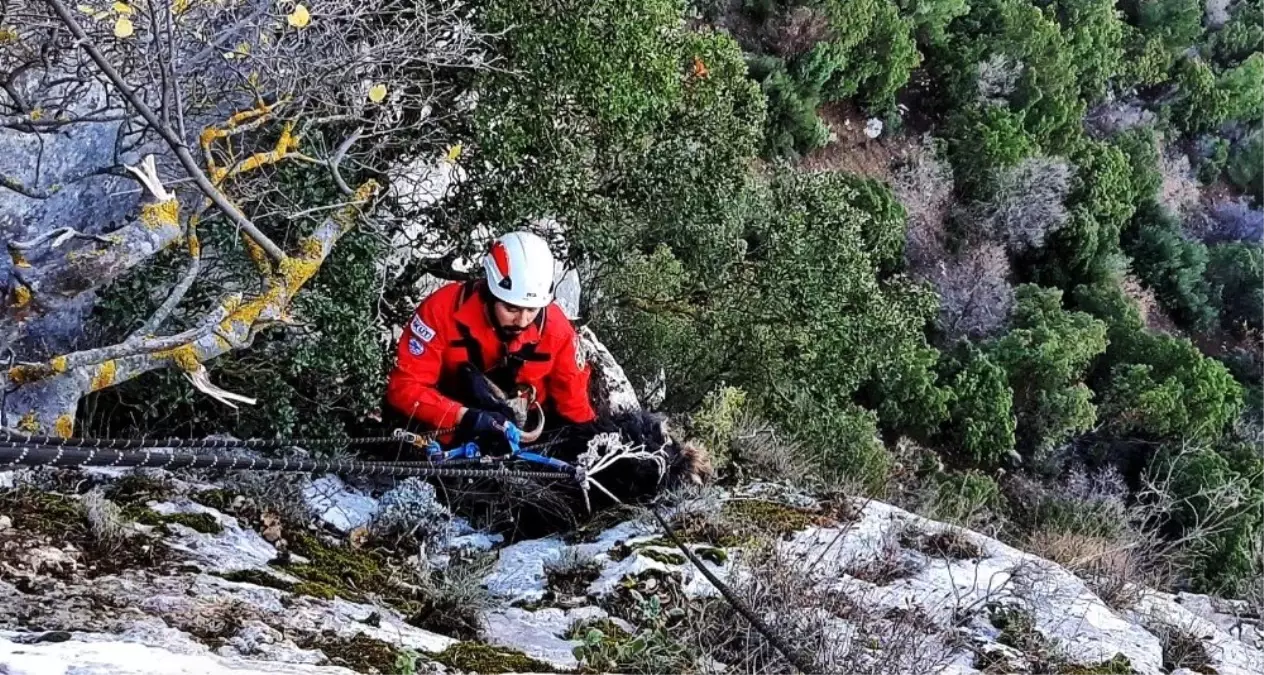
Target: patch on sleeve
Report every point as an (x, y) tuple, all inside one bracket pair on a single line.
[(421, 330), (415, 347)]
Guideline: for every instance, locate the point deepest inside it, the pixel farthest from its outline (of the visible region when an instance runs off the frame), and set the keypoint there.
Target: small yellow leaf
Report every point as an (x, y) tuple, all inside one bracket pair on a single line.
[(123, 28), (300, 17), (86, 9), (122, 8), (454, 152), (377, 92)]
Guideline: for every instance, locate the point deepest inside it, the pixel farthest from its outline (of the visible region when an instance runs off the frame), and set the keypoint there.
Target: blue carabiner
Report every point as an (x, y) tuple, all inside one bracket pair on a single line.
[(541, 459)]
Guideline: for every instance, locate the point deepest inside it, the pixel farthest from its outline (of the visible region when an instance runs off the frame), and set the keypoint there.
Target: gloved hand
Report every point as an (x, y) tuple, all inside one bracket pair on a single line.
[(483, 422)]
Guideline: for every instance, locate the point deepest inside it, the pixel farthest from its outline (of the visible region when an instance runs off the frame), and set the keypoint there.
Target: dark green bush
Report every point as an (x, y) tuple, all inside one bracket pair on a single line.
[(1171, 264)]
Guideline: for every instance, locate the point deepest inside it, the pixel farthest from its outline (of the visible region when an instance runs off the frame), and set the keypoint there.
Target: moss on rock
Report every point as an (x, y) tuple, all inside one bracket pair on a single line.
[(481, 658), (361, 653), (202, 522), (138, 489), (665, 557)]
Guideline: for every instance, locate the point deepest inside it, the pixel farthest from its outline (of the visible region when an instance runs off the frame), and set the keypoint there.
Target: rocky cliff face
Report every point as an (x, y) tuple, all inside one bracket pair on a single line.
[(208, 577)]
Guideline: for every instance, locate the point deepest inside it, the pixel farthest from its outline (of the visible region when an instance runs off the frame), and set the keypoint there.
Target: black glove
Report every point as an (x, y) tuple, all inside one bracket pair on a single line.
[(483, 422)]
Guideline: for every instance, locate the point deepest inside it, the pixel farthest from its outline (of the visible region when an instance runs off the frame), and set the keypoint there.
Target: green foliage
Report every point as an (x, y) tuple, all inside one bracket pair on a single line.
[(961, 498), (1045, 95), (793, 126), (658, 158), (1156, 385), (1177, 24), (868, 56), (1201, 104), (715, 423), (1235, 274), (1140, 145), (1246, 165), (1147, 60), (1171, 265), (883, 228), (1106, 183), (982, 139), (1243, 89), (982, 425), (909, 397), (930, 18), (1046, 356), (1240, 37), (653, 649), (1170, 390), (1212, 165), (1224, 486), (1095, 40)]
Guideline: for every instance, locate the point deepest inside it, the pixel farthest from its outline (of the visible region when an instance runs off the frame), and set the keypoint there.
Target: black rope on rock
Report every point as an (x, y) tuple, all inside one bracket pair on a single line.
[(133, 443), (795, 659), (71, 457)]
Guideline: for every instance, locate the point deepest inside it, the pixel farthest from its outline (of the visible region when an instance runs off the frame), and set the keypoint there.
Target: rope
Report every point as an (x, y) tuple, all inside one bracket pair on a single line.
[(795, 659), (35, 455), (12, 438)]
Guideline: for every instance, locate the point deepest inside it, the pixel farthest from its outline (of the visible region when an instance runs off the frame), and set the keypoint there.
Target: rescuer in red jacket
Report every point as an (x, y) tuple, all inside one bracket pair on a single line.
[(504, 324)]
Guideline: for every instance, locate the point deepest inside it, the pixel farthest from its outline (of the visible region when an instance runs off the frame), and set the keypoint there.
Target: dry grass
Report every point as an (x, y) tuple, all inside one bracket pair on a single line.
[(951, 544), (761, 452), (105, 521), (1179, 191), (890, 563), (834, 631), (923, 183), (1113, 569)]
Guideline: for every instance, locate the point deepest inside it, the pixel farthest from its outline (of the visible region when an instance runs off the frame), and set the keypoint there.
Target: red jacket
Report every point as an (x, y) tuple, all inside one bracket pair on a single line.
[(441, 336)]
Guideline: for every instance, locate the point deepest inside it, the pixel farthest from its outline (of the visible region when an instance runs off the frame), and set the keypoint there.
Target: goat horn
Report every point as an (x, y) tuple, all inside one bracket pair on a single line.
[(534, 435)]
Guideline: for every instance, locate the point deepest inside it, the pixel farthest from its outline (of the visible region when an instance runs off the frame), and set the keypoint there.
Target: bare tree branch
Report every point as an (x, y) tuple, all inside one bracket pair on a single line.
[(177, 145), (128, 348), (59, 236), (337, 159)]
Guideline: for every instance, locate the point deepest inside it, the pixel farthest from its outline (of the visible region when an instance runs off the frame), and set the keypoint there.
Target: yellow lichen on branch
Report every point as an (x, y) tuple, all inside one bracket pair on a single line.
[(183, 357), (104, 375), (257, 255), (59, 364), (64, 427), (285, 145), (29, 423), (18, 259), (161, 214), (21, 296), (346, 216)]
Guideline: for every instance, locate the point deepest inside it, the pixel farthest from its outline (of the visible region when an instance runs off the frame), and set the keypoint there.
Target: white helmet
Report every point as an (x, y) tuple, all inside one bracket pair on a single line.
[(519, 269)]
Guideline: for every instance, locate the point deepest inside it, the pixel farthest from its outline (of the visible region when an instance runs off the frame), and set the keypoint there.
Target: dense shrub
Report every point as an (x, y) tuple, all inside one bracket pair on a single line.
[(1235, 275), (1246, 166), (1046, 357), (1155, 386), (1173, 265), (1201, 103), (981, 422)]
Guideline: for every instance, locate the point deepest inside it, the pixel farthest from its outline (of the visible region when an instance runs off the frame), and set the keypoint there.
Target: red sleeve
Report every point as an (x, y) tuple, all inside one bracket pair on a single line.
[(412, 386), (567, 383)]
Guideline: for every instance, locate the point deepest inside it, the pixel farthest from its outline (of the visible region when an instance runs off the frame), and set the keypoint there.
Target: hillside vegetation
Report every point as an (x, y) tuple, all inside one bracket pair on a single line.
[(1032, 304)]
